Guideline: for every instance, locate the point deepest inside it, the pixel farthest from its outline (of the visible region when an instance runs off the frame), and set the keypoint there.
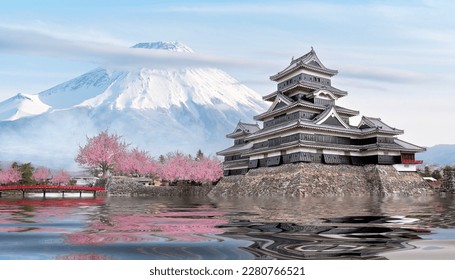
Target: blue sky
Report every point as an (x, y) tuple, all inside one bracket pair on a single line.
[(395, 58)]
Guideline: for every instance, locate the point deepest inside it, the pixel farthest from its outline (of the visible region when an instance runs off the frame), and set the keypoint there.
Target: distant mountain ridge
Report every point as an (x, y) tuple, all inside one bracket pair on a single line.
[(442, 154), (156, 109)]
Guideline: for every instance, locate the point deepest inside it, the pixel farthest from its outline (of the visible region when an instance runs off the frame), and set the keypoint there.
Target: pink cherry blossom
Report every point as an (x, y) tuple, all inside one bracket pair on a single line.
[(180, 167), (10, 175), (41, 175), (136, 163), (61, 177), (177, 167), (206, 170), (103, 151)]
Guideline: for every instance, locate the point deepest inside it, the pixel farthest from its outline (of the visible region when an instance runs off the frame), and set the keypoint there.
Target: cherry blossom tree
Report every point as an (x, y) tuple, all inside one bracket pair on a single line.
[(10, 175), (124, 165), (199, 169), (41, 175), (151, 167), (103, 151), (106, 152), (177, 167), (136, 163), (61, 177), (206, 170), (139, 160)]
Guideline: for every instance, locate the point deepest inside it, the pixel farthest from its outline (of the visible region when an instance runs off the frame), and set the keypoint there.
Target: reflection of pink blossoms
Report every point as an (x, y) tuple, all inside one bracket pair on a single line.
[(137, 228), (83, 257)]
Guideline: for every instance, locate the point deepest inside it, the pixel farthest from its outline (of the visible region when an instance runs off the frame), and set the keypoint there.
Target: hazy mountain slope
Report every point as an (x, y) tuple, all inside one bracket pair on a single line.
[(443, 154), (158, 110)]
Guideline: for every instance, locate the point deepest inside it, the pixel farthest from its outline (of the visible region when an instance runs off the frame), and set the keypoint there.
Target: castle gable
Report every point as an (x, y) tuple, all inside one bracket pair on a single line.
[(281, 101), (331, 117)]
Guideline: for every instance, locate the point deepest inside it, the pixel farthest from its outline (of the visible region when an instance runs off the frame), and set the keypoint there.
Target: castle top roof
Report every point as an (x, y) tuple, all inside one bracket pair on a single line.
[(308, 61)]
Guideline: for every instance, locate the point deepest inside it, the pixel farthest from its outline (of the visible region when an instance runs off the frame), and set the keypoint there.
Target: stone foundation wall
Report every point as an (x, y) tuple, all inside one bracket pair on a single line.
[(304, 179), (448, 180)]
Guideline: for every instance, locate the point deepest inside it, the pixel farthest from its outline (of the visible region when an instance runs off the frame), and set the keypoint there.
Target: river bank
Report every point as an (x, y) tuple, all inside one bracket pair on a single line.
[(127, 186), (297, 180)]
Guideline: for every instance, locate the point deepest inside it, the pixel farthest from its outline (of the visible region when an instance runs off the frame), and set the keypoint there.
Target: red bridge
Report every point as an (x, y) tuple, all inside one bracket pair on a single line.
[(47, 188)]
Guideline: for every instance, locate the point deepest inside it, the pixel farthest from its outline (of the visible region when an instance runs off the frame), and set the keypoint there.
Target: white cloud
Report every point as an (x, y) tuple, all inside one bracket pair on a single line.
[(385, 74), (34, 43), (68, 32)]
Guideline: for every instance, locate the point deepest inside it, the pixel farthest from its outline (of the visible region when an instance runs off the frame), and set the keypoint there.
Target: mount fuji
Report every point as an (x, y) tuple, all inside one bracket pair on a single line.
[(159, 110)]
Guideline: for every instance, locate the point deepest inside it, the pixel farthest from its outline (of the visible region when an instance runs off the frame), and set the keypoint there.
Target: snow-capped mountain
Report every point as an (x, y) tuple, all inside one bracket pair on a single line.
[(21, 105), (160, 110)]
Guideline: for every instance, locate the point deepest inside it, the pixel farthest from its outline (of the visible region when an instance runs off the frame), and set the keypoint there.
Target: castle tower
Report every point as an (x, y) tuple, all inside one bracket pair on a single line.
[(304, 124)]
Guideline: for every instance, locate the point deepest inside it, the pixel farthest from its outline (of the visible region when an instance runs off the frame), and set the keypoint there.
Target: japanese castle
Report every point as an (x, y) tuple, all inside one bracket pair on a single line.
[(304, 124)]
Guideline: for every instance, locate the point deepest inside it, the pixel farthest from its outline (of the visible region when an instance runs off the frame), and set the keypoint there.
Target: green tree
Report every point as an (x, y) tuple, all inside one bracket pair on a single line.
[(199, 155), (161, 159), (26, 171), (426, 172), (436, 174), (447, 179)]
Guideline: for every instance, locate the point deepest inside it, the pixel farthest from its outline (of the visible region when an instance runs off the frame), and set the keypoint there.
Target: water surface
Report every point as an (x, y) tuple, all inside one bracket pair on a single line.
[(128, 228)]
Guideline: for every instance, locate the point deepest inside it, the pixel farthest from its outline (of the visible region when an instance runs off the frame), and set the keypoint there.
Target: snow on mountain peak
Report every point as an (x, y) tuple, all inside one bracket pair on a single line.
[(149, 88), (21, 105), (173, 46)]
